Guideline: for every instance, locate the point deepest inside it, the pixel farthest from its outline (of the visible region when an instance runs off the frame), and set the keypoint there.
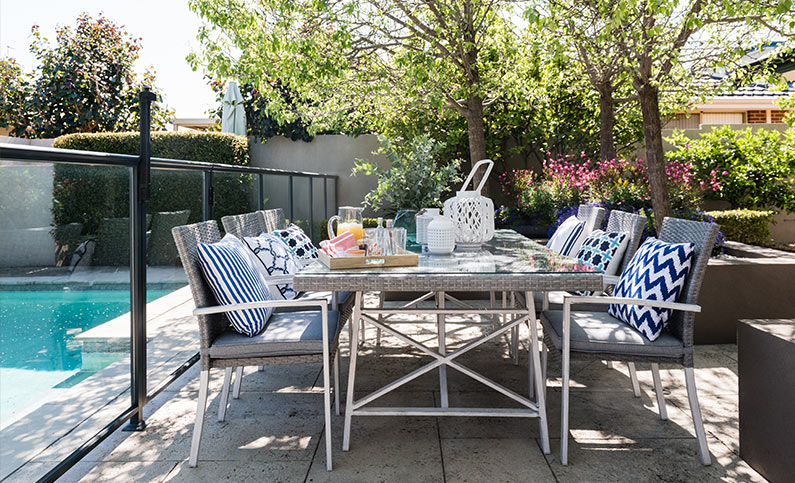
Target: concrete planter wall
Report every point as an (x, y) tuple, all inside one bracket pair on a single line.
[(758, 284)]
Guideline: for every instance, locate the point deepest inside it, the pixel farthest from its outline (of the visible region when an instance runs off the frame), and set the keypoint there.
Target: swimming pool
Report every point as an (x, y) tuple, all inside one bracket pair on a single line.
[(38, 350)]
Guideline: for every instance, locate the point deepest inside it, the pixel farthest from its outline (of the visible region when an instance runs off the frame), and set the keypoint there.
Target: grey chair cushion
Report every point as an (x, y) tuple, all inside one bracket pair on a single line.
[(342, 297), (556, 302), (293, 333), (600, 332)]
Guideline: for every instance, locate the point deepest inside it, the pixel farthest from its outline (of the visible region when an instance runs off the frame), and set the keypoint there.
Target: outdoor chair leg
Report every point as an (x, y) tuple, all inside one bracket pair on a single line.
[(355, 321), (224, 401), (544, 354), (633, 376), (703, 449), (327, 393), (655, 374), (337, 382), (609, 364), (380, 318), (238, 383), (261, 368), (201, 407)]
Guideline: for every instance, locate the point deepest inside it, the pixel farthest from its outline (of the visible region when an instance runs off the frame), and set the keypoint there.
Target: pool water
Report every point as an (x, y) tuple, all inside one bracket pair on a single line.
[(38, 350)]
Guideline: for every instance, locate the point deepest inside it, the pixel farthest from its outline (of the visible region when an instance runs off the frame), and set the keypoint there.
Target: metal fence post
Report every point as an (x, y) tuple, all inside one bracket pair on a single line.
[(139, 195), (290, 198), (260, 191), (208, 198), (325, 197), (311, 206)]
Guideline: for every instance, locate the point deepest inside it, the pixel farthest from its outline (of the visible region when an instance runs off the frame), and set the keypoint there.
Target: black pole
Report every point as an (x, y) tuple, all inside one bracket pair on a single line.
[(139, 195)]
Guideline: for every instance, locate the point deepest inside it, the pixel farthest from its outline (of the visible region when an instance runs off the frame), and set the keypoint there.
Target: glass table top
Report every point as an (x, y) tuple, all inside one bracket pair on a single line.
[(507, 253)]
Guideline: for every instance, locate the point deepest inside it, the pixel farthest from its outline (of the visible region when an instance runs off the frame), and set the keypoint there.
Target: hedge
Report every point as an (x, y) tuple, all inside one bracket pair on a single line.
[(210, 147), (87, 194), (745, 226)]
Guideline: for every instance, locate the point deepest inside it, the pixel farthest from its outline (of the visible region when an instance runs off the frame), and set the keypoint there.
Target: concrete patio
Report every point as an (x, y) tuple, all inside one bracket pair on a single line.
[(274, 431)]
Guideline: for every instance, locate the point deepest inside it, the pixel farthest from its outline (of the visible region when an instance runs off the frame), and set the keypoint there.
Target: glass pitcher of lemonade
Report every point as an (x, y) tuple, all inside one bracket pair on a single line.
[(349, 218)]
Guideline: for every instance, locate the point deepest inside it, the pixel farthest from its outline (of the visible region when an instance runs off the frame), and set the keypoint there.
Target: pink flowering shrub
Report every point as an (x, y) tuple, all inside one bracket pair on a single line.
[(619, 183)]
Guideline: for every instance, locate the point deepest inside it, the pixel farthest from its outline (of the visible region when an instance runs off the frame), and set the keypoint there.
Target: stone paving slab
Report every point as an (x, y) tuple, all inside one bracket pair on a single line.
[(274, 432)]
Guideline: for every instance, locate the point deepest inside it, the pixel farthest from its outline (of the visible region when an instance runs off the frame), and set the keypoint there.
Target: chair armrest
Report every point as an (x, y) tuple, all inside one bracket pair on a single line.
[(217, 309), (568, 301), (610, 280)]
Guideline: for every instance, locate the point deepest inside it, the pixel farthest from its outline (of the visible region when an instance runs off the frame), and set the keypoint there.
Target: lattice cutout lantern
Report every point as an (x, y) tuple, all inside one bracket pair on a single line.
[(472, 213)]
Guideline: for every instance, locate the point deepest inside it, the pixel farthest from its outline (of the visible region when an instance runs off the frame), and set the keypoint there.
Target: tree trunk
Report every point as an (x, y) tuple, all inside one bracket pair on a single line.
[(607, 121), (477, 138), (655, 159)]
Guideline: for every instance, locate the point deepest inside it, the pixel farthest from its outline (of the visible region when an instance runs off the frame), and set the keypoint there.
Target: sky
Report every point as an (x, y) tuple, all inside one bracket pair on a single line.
[(168, 29)]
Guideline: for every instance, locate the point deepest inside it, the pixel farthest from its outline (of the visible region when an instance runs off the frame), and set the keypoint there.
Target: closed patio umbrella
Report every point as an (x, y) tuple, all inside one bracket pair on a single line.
[(233, 115)]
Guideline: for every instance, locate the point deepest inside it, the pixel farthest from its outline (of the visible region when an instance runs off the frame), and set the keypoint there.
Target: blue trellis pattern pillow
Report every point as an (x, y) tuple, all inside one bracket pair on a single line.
[(234, 279), (603, 251), (297, 241), (657, 271), (274, 258)]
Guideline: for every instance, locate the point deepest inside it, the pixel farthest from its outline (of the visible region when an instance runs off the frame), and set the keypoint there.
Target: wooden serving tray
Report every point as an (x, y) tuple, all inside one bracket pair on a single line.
[(404, 259)]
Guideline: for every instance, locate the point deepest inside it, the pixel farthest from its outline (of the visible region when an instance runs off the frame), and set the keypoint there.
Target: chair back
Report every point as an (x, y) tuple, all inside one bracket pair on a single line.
[(274, 219), (702, 235), (632, 224), (187, 239), (593, 216), (247, 224)]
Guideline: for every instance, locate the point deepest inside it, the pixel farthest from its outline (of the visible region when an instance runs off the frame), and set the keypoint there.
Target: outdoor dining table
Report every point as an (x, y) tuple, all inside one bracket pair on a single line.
[(509, 263)]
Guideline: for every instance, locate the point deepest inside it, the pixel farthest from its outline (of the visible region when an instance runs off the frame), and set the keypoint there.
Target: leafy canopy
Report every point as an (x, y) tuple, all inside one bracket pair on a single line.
[(346, 59)]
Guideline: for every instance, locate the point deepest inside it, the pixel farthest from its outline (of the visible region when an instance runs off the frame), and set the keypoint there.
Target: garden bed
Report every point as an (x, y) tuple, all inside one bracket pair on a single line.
[(750, 282)]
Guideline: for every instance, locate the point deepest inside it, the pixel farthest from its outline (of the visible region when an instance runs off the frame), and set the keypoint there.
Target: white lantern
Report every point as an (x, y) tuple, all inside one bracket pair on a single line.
[(425, 217), (472, 214), (441, 236)]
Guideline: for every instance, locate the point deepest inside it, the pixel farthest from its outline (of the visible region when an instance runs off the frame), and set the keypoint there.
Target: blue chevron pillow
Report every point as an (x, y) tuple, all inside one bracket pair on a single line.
[(657, 271)]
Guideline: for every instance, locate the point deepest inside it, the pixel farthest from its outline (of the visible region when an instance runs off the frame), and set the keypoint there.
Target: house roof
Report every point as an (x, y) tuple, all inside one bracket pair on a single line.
[(761, 90)]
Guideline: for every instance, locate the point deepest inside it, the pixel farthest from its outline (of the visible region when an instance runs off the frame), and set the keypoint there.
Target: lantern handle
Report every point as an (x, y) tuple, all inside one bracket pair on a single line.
[(485, 176)]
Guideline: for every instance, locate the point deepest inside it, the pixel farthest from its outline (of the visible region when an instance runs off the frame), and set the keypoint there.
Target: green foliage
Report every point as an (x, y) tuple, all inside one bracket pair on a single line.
[(746, 226), (553, 112), (84, 83), (87, 194), (210, 147), (360, 63), (756, 169), (417, 177), (13, 86)]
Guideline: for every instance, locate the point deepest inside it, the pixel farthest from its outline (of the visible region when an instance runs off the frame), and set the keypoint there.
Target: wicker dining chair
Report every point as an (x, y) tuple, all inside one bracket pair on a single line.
[(592, 215), (252, 224), (599, 336), (289, 337), (617, 221)]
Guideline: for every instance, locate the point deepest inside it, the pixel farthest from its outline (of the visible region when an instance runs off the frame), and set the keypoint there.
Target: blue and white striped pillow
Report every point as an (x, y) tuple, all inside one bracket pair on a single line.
[(565, 238), (234, 279), (657, 271)]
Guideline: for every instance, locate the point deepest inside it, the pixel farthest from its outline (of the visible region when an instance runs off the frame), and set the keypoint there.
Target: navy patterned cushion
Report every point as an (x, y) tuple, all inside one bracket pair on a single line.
[(603, 251), (234, 279), (657, 271), (274, 258), (297, 241)]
